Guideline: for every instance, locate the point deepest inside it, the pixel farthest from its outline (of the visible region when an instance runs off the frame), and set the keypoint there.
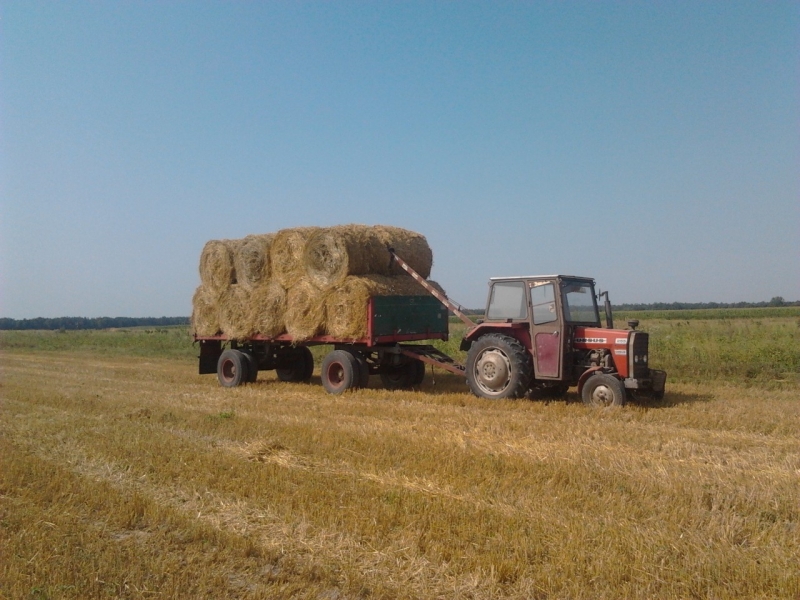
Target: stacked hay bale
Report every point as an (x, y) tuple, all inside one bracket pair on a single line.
[(305, 281)]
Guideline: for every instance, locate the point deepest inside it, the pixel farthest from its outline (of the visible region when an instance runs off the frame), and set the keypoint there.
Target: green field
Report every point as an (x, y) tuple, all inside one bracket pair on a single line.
[(124, 474)]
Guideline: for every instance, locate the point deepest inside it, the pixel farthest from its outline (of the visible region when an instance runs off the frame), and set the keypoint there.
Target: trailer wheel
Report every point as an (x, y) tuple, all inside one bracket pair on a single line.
[(252, 367), (340, 372), (602, 389), (232, 368), (363, 368), (418, 375), (406, 375), (498, 366), (301, 366)]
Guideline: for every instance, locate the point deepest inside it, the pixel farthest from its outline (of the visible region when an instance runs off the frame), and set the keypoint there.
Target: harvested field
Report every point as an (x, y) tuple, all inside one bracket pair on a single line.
[(125, 474)]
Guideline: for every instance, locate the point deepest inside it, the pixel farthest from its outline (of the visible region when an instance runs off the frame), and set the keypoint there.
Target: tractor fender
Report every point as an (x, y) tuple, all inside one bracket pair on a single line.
[(586, 374)]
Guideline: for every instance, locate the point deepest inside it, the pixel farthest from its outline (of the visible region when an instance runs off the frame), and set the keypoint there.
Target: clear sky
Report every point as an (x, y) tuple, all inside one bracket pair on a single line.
[(654, 146)]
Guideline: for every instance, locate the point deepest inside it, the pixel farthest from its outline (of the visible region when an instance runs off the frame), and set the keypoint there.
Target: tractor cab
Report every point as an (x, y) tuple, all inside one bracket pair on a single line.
[(544, 311)]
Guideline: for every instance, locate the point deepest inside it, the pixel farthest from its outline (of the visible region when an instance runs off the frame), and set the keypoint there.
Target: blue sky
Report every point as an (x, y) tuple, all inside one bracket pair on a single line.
[(653, 146)]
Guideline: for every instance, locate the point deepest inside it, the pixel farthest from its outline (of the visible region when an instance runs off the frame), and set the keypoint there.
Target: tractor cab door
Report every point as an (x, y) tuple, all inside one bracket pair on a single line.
[(547, 330)]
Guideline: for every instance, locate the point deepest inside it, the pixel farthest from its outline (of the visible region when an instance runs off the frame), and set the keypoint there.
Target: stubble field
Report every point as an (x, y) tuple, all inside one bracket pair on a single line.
[(125, 474)]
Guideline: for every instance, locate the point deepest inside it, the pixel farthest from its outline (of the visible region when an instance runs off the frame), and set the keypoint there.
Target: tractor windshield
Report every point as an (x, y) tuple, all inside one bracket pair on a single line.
[(580, 305)]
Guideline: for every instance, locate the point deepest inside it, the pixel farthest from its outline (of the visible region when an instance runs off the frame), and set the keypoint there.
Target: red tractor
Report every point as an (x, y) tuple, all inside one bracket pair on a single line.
[(542, 335)]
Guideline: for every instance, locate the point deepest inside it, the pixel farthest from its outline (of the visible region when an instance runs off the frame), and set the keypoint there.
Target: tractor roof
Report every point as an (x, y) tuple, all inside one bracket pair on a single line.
[(520, 277)]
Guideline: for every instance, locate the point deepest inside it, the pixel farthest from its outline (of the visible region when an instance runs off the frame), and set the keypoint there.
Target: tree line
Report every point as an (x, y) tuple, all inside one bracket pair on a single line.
[(72, 323), (776, 301)]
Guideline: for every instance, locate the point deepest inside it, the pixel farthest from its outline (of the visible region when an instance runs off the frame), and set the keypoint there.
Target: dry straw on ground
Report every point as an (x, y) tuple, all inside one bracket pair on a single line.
[(252, 260), (268, 309)]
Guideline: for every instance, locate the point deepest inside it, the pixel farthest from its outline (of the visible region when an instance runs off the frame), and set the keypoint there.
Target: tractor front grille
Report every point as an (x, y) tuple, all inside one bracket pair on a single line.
[(637, 354)]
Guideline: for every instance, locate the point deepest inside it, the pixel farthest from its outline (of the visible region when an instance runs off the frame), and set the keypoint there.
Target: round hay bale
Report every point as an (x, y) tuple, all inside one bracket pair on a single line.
[(333, 253), (346, 304), (234, 312), (408, 245), (268, 309), (216, 265), (205, 313), (305, 310), (286, 254), (251, 261)]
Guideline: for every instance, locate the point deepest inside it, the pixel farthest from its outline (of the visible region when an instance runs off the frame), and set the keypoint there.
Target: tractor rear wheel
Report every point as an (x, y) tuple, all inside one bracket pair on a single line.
[(498, 366), (602, 389)]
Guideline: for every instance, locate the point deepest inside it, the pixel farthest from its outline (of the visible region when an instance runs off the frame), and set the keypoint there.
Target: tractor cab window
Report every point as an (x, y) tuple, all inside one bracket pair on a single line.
[(543, 299), (580, 305), (507, 301)]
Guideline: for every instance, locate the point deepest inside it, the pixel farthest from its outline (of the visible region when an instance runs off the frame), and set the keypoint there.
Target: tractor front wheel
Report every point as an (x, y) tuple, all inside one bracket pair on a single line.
[(602, 389), (498, 366)]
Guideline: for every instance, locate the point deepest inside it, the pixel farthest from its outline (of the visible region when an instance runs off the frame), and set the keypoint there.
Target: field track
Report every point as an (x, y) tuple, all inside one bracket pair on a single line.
[(133, 477)]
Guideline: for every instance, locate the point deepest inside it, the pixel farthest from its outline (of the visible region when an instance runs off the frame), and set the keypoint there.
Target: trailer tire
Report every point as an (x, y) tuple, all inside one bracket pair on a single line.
[(232, 368), (301, 367), (252, 367), (498, 366), (363, 368), (418, 373), (602, 389), (340, 372)]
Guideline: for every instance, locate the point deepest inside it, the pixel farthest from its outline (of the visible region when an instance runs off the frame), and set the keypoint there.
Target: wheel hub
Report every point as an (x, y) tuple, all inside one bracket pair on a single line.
[(602, 395), (493, 370)]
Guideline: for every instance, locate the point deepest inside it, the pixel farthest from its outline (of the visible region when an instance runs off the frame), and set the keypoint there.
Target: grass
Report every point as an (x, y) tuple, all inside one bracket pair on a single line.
[(125, 474)]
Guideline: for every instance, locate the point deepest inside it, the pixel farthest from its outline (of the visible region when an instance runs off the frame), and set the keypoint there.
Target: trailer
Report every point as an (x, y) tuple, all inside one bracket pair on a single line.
[(393, 322)]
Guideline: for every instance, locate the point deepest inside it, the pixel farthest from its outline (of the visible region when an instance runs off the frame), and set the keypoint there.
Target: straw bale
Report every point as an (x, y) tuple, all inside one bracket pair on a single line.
[(205, 312), (346, 305), (251, 260), (333, 253), (408, 245), (268, 309), (286, 254), (234, 312), (305, 310), (216, 265)]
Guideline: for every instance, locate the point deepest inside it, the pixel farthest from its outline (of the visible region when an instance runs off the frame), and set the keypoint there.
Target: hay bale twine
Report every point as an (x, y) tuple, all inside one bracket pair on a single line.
[(346, 304), (333, 253), (252, 261), (268, 309), (205, 313), (234, 312), (286, 254), (305, 310), (217, 271), (408, 245)]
